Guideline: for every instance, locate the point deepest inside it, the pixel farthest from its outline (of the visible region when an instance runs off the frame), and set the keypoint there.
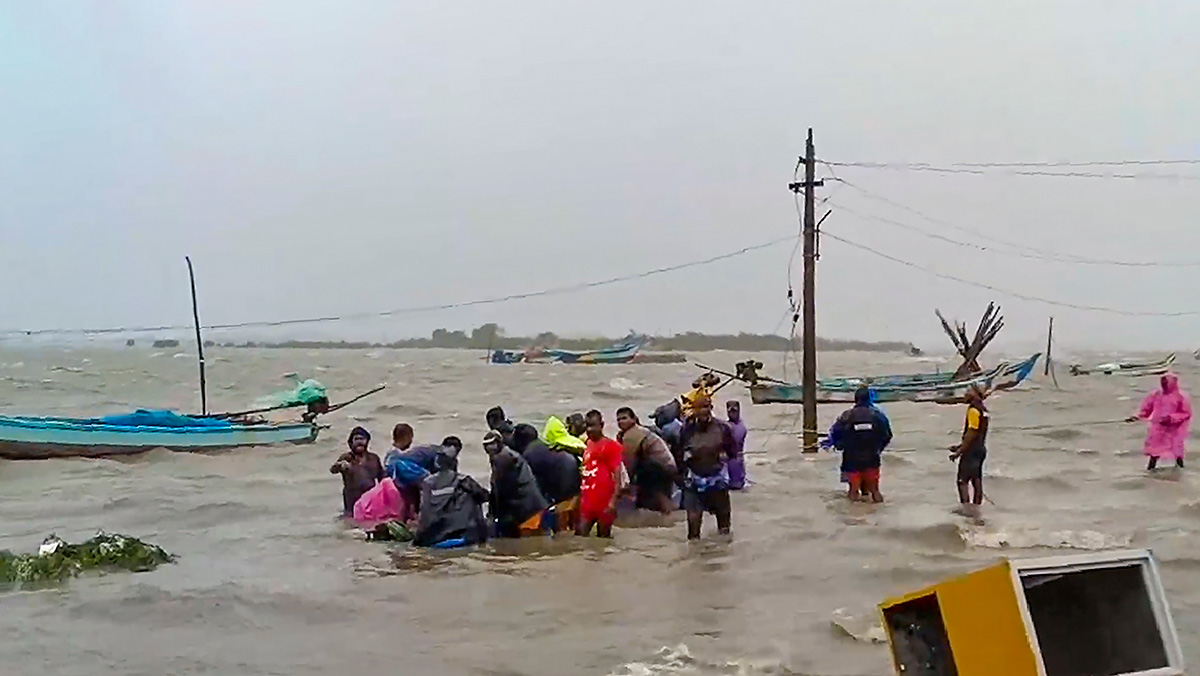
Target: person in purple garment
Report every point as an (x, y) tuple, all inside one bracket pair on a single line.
[(737, 463)]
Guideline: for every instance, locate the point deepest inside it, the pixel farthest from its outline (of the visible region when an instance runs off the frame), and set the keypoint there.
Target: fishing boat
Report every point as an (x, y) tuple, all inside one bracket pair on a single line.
[(1132, 369), (1024, 367), (762, 392), (37, 438), (621, 353), (1005, 376), (30, 438)]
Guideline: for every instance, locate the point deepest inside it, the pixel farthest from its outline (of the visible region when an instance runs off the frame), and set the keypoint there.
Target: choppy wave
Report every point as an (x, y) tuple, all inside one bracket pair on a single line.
[(864, 628), (678, 660), (405, 411), (1023, 537)]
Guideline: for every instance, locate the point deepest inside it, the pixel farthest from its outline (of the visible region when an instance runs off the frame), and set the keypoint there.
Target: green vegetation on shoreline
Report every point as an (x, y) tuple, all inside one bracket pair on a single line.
[(492, 336)]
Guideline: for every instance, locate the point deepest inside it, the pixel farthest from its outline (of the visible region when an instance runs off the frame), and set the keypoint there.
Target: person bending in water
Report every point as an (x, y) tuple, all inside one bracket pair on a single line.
[(707, 445), (517, 504), (557, 474), (360, 469), (973, 450), (603, 470), (1169, 412), (861, 433), (649, 462), (453, 504)]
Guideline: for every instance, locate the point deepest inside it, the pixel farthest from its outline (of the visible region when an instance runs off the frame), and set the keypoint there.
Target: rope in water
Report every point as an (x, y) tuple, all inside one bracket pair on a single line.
[(1061, 425)]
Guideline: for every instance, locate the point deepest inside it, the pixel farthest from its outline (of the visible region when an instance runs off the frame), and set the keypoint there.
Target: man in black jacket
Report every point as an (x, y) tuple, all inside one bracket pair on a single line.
[(451, 505), (557, 474), (861, 433), (517, 504)]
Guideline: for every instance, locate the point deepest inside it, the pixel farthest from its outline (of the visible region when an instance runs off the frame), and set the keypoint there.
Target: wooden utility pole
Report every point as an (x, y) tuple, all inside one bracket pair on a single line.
[(808, 310)]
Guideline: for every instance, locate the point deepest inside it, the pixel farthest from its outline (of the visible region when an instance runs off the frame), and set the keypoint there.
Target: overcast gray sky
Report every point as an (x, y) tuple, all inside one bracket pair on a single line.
[(320, 158)]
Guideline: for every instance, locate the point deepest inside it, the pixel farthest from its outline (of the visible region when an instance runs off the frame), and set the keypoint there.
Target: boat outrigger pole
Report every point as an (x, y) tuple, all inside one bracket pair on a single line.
[(199, 341)]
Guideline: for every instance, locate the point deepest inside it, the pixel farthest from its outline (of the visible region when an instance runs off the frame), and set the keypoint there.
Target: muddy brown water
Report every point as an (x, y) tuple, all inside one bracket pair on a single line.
[(269, 582)]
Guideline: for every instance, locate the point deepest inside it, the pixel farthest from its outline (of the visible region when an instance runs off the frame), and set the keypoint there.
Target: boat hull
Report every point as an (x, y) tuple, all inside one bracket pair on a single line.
[(910, 380), (45, 438), (1127, 369), (1003, 377), (617, 354)]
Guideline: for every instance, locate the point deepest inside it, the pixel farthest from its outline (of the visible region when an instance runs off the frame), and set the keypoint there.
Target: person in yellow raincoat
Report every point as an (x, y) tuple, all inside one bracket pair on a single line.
[(557, 437), (559, 440)]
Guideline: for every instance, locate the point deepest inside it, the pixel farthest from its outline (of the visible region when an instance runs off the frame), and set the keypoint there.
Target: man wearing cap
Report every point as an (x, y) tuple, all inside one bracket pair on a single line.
[(517, 504)]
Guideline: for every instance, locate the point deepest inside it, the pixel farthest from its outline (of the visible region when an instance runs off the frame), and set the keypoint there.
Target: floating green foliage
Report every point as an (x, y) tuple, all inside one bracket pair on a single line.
[(57, 560)]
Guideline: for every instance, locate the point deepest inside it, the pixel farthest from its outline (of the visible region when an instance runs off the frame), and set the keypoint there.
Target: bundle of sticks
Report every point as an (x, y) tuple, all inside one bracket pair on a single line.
[(970, 346)]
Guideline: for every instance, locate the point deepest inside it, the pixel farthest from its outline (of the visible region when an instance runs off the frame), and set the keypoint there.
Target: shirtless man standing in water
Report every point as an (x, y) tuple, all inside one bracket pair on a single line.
[(706, 444)]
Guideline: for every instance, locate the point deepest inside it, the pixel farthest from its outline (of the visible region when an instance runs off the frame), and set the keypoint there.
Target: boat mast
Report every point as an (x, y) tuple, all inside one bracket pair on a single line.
[(199, 341)]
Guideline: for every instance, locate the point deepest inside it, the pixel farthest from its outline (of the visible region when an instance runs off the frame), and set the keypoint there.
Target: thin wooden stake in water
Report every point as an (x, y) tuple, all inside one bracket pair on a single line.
[(1049, 342), (199, 341)]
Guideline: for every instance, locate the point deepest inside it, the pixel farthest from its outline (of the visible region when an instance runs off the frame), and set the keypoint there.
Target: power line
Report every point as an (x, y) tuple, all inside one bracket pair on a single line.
[(1032, 254), (1015, 294), (416, 309), (1019, 250), (988, 165), (1015, 169)]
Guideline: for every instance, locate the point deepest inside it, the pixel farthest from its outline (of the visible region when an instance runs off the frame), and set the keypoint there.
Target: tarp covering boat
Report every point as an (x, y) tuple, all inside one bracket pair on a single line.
[(146, 418)]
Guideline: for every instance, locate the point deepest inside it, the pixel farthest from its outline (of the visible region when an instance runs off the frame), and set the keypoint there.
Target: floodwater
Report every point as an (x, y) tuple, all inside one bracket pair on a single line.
[(269, 582)]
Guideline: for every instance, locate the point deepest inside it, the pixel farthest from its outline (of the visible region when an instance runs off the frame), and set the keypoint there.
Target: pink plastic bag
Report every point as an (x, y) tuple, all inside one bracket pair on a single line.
[(381, 504)]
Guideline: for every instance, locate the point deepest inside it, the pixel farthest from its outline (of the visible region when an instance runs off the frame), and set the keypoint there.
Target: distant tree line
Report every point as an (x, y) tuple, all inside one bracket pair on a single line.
[(492, 336)]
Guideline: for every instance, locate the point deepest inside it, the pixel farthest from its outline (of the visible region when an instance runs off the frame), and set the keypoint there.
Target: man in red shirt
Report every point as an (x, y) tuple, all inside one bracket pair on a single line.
[(602, 473)]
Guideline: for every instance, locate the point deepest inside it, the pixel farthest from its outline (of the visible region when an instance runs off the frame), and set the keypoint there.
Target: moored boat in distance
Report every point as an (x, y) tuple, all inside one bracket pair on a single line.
[(32, 438), (1132, 369), (621, 353)]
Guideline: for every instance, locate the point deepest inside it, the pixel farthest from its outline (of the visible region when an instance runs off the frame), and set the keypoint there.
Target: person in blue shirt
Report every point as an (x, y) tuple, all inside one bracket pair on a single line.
[(861, 433)]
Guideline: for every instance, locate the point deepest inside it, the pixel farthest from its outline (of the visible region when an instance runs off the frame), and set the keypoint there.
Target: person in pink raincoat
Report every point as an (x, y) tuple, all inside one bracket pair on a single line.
[(1169, 412), (381, 504)]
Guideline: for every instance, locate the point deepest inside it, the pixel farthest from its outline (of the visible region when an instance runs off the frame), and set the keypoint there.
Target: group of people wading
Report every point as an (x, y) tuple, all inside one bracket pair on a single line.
[(863, 432), (572, 476)]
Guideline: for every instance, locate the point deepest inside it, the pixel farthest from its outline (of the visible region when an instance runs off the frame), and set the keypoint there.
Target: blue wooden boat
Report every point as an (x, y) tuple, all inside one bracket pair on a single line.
[(617, 354), (31, 438), (920, 379), (621, 353), (1004, 377)]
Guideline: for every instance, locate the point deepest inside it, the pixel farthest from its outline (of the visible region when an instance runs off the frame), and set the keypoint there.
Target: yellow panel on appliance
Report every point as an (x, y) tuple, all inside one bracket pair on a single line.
[(982, 627)]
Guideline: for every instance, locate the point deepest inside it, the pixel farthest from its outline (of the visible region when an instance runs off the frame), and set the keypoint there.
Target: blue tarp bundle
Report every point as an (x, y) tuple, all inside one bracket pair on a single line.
[(145, 418)]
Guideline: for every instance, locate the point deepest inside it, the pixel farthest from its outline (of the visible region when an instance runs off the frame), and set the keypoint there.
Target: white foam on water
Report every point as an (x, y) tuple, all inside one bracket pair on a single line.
[(679, 661), (863, 628), (1022, 537), (623, 384)]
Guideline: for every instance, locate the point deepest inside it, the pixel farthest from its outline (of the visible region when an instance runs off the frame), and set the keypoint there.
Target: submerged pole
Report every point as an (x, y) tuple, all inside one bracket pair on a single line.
[(1049, 343), (199, 340)]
